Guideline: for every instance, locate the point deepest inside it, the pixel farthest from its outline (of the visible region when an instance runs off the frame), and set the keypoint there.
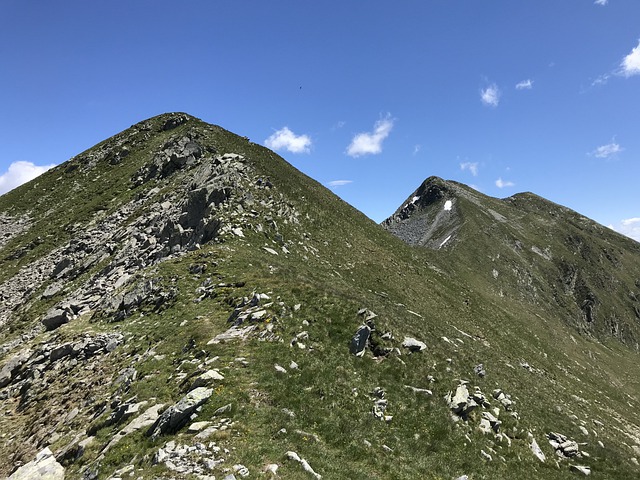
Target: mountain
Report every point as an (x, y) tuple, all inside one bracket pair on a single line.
[(533, 250), (180, 302)]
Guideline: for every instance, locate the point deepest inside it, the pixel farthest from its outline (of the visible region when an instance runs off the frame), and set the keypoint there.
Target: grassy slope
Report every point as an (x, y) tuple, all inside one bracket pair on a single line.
[(358, 265)]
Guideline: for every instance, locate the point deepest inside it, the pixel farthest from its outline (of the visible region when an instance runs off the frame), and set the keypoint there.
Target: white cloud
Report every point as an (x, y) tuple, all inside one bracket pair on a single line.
[(471, 166), (629, 227), (416, 149), (19, 173), (525, 84), (504, 183), (339, 183), (490, 96), (371, 142), (601, 2), (285, 138), (606, 151), (629, 66), (631, 63)]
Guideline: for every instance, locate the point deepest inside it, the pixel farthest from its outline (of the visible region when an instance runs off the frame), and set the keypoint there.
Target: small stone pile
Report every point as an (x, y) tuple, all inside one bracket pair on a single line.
[(564, 446), (380, 404), (462, 403), (198, 459)]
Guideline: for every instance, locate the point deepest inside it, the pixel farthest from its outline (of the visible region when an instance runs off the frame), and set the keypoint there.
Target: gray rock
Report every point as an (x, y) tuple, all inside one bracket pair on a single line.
[(224, 409), (459, 401), (537, 451), (413, 345), (61, 351), (196, 427), (10, 368), (55, 317), (479, 370), (581, 469), (51, 291), (305, 465), (176, 416), (359, 341), (44, 467), (422, 391), (207, 378)]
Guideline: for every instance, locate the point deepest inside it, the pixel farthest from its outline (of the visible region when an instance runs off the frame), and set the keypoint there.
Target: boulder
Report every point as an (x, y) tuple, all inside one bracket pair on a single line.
[(12, 367), (55, 317), (459, 401), (413, 345), (176, 416), (359, 341), (44, 467)]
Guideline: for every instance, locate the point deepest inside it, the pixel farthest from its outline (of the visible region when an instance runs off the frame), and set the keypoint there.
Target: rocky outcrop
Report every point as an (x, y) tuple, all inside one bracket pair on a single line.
[(25, 373), (564, 446), (44, 467), (176, 416), (359, 341)]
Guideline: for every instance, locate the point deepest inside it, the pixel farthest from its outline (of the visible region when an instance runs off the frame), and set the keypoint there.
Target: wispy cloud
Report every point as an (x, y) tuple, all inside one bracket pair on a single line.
[(339, 183), (630, 64), (19, 173), (369, 143), (471, 166), (601, 2), (338, 125), (504, 183), (490, 96), (629, 227), (286, 139), (608, 150), (525, 84), (601, 80), (416, 149)]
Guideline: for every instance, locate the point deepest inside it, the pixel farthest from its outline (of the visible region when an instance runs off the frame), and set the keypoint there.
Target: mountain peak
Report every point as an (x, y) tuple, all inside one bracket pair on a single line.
[(178, 301)]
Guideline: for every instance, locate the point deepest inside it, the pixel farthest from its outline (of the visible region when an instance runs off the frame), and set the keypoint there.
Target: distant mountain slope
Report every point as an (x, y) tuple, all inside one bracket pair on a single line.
[(529, 248), (179, 302)]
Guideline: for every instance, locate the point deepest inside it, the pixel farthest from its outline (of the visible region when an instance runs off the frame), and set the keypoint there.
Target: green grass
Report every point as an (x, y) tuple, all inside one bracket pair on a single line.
[(349, 263)]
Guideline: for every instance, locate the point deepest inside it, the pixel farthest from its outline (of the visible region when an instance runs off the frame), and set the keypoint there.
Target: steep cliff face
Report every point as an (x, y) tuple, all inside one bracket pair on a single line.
[(179, 302)]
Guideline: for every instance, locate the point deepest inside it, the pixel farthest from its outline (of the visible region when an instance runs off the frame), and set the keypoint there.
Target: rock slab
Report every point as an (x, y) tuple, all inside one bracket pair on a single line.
[(44, 467), (176, 416)]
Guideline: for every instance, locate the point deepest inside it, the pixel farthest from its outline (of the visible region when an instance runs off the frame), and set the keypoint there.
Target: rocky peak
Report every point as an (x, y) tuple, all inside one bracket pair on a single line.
[(179, 302)]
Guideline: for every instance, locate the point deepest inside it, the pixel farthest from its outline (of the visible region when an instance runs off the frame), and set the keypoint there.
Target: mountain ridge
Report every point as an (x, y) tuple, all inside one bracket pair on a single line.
[(179, 302)]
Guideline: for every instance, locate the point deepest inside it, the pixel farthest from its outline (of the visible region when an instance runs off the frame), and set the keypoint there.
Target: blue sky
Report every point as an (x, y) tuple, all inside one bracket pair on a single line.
[(539, 95)]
